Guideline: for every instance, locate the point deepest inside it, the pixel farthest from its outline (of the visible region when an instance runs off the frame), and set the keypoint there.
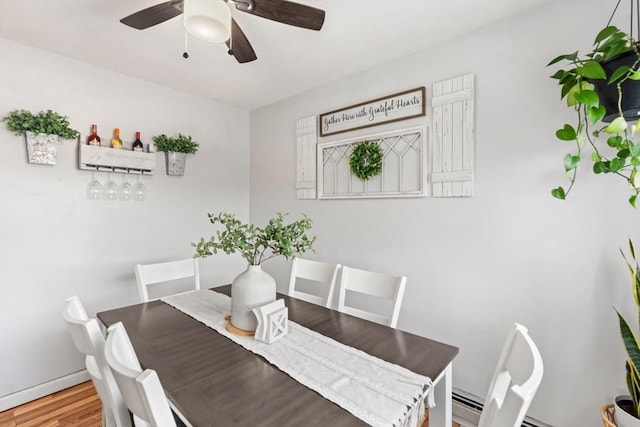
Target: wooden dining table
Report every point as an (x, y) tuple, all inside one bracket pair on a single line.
[(212, 381)]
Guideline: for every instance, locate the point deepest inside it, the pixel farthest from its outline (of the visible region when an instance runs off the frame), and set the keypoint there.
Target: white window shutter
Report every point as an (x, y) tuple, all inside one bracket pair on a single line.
[(306, 140), (453, 137)]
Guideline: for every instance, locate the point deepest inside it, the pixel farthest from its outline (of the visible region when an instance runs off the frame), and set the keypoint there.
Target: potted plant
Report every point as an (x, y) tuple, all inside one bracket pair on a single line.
[(603, 88), (628, 407), (254, 287), (42, 132), (176, 150), (608, 75)]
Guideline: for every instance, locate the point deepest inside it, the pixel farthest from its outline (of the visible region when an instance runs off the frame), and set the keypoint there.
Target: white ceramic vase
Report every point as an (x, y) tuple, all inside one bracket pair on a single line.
[(624, 419), (249, 290)]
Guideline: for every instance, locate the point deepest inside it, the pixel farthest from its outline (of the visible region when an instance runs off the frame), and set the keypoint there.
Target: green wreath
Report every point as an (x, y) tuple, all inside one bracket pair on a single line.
[(366, 160)]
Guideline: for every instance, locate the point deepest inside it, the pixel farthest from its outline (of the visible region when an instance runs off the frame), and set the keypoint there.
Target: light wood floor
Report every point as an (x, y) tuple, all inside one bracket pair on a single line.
[(75, 406)]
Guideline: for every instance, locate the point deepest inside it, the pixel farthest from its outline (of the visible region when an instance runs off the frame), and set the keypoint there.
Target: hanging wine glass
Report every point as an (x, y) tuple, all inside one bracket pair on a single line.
[(94, 190), (126, 190), (111, 192), (140, 191)]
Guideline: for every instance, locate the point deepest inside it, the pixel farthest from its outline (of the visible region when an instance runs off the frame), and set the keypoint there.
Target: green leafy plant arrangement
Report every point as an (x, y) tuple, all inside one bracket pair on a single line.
[(257, 244), (49, 122), (576, 83), (179, 144), (365, 160), (629, 338)]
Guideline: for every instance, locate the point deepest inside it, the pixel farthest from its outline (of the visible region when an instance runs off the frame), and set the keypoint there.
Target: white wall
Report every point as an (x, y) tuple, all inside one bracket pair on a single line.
[(511, 253), (55, 243)]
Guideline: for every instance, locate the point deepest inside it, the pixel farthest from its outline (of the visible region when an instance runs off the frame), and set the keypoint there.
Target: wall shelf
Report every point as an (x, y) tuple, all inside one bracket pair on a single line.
[(115, 160)]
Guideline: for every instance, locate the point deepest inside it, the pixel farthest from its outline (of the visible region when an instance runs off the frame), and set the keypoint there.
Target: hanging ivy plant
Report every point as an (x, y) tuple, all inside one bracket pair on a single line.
[(366, 160)]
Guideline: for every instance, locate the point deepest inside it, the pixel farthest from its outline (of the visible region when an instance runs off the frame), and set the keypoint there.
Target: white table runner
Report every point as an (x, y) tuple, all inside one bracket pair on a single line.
[(378, 392)]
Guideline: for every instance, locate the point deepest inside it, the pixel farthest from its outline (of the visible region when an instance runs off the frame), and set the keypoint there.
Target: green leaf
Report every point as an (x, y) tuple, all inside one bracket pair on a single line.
[(587, 97), (569, 76), (635, 75), (569, 57), (575, 89), (631, 344), (632, 200), (559, 75), (624, 153), (583, 86), (596, 113), (567, 133), (600, 167), (619, 73), (566, 89), (592, 70), (616, 48), (616, 164), (614, 141), (634, 179), (558, 193), (617, 125), (571, 162), (634, 149), (605, 32)]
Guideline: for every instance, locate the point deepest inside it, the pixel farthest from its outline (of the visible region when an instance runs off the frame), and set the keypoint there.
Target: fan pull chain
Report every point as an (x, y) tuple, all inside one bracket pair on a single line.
[(185, 55)]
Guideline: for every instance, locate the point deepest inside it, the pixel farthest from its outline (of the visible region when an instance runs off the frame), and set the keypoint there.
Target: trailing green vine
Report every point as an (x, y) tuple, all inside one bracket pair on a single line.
[(366, 160), (619, 154)]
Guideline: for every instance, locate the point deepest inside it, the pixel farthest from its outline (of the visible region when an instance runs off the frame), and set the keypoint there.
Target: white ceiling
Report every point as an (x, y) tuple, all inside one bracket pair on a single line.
[(357, 35)]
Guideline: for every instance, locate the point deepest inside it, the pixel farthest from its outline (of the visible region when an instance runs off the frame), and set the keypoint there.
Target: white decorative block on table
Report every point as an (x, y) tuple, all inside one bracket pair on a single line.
[(272, 321)]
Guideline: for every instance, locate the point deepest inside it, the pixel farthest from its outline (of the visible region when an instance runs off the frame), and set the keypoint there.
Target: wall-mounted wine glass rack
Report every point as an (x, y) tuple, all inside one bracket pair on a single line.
[(106, 159)]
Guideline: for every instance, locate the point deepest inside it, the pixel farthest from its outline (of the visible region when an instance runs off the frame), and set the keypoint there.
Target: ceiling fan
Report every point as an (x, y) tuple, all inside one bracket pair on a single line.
[(283, 11)]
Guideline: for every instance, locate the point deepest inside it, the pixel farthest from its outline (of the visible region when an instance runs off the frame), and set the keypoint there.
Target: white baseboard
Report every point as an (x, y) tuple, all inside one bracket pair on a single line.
[(32, 393), (467, 408)]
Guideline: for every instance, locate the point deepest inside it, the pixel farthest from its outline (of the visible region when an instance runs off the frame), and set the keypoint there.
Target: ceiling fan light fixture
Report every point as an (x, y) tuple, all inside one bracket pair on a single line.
[(208, 20)]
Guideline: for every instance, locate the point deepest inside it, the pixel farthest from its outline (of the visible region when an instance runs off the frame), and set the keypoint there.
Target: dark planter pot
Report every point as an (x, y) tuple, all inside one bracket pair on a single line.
[(608, 93)]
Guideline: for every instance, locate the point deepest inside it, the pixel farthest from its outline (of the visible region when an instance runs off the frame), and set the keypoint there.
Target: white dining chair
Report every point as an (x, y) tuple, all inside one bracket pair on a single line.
[(514, 383), (313, 281), (141, 390), (153, 274), (89, 340), (386, 290)]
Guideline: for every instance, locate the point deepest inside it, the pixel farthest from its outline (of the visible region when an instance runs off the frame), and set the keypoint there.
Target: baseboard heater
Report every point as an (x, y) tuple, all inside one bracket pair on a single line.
[(467, 408)]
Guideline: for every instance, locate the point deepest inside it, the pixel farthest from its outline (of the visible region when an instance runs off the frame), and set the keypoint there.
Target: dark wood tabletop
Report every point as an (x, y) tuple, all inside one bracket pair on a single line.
[(214, 382)]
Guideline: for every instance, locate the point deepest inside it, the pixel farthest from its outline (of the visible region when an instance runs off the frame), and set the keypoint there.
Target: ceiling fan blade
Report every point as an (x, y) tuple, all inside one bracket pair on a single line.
[(239, 45), (154, 15), (288, 12)]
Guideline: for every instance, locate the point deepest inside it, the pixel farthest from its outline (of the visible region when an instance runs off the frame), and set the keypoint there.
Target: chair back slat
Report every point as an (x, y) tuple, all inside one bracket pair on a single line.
[(152, 274), (384, 287), (322, 274)]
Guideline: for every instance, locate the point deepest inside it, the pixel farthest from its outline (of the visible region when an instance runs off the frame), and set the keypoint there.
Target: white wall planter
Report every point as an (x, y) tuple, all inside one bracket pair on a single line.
[(42, 148), (175, 163)]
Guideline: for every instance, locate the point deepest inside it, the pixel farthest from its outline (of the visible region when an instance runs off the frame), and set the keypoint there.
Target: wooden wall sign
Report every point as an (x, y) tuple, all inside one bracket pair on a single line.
[(392, 108)]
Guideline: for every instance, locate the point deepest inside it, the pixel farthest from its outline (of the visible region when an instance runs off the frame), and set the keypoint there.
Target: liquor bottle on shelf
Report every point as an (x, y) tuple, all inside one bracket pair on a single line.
[(137, 144), (116, 142), (93, 138)]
